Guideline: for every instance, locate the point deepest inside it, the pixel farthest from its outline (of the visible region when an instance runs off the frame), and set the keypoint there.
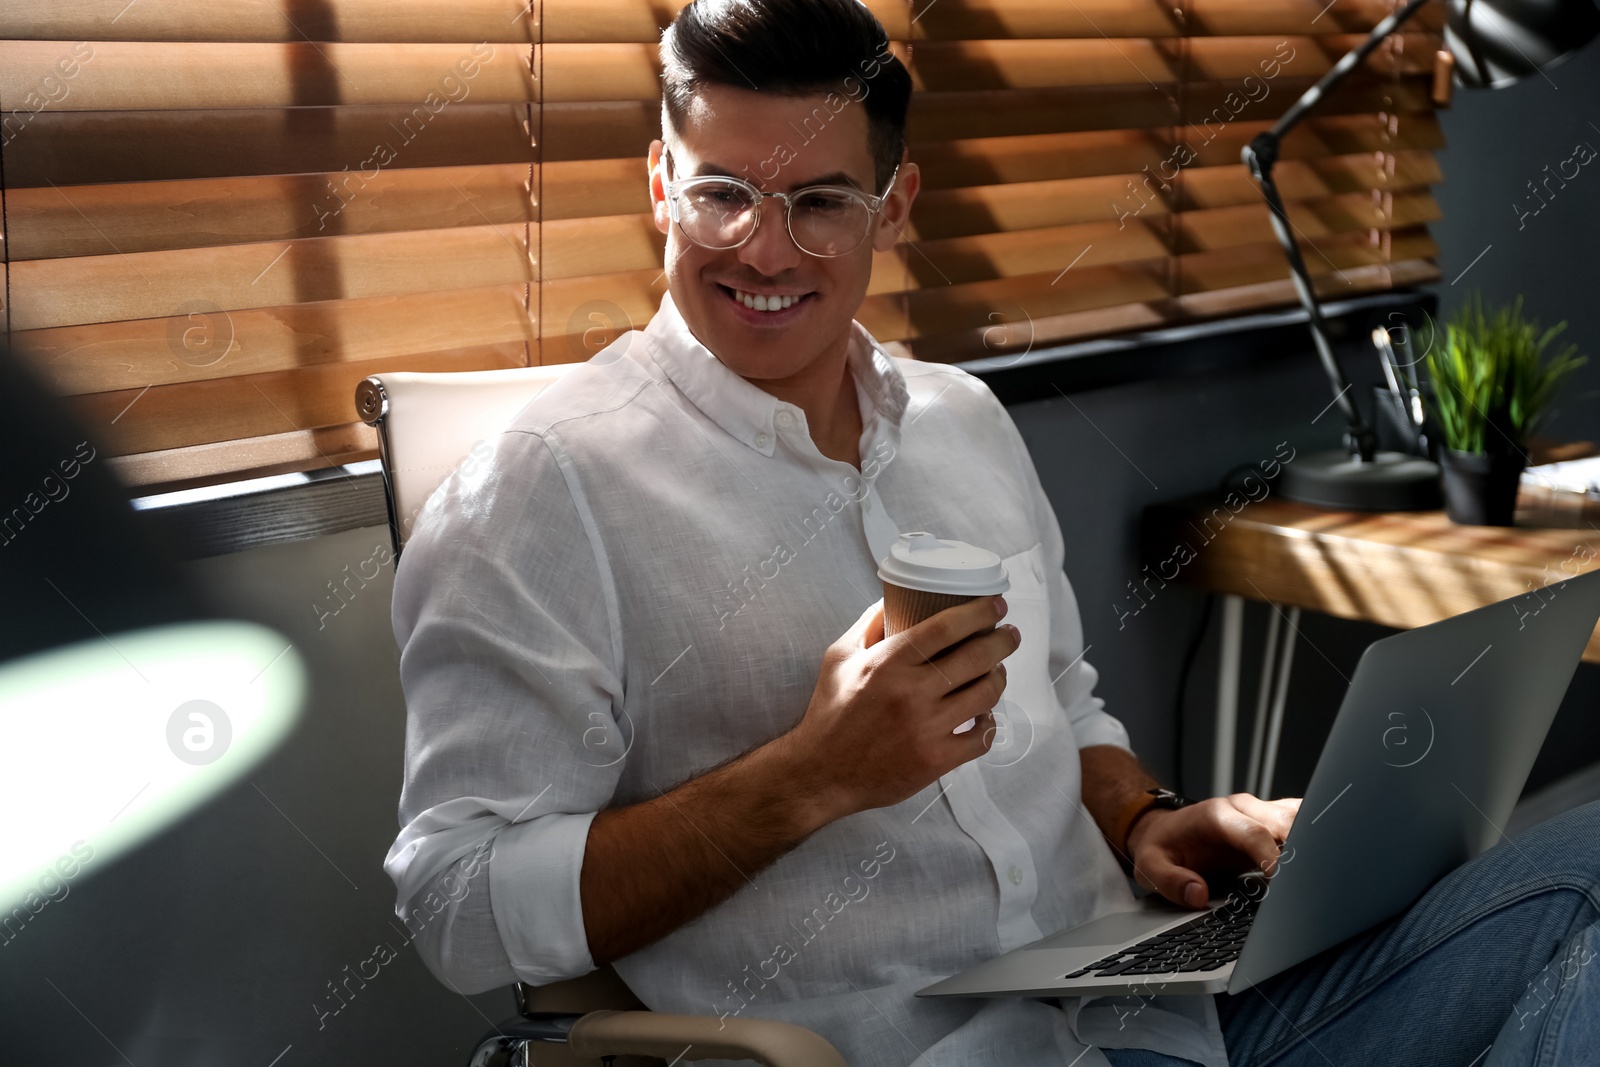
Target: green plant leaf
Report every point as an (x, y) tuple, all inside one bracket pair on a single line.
[(1493, 381)]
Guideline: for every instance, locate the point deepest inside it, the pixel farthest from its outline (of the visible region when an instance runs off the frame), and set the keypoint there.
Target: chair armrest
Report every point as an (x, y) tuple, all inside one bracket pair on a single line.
[(648, 1033)]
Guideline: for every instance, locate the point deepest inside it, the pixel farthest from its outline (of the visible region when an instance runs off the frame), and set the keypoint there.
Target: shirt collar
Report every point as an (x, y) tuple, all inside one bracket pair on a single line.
[(747, 412)]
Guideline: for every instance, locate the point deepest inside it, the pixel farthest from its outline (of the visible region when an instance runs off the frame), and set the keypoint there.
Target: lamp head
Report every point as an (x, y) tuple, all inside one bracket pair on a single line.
[(1497, 42)]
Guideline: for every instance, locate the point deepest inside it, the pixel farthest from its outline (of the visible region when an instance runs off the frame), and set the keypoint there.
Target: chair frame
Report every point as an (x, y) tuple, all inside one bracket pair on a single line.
[(372, 405)]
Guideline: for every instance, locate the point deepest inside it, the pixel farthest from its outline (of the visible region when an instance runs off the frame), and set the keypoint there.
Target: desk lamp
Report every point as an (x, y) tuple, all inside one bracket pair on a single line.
[(1492, 43)]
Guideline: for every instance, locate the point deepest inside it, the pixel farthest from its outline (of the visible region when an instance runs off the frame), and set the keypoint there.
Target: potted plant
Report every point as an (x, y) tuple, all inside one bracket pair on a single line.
[(1492, 387)]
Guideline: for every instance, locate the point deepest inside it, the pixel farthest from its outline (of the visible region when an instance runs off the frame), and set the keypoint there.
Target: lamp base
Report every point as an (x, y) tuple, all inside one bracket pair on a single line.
[(1392, 481)]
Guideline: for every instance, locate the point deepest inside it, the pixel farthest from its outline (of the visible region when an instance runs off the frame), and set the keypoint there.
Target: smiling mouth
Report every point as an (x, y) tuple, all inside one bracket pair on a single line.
[(765, 302)]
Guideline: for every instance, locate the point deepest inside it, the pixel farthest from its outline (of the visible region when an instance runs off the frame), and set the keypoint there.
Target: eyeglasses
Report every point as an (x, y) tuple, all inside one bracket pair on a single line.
[(720, 212)]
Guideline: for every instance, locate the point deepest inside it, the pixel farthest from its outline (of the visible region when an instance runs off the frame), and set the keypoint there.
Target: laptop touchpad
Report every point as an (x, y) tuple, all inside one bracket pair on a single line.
[(1111, 929)]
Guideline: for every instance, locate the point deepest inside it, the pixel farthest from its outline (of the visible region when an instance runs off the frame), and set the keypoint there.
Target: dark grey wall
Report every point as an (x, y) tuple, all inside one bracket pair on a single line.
[(1498, 143)]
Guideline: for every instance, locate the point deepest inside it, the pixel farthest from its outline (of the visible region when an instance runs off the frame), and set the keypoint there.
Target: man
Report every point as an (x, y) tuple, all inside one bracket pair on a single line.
[(643, 649)]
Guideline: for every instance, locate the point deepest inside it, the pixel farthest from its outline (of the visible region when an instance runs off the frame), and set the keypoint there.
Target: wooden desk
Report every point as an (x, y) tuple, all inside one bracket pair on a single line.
[(1399, 569)]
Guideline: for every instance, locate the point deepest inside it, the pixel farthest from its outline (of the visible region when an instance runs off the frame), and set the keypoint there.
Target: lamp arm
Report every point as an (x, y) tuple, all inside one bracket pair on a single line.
[(1336, 73), (1260, 156)]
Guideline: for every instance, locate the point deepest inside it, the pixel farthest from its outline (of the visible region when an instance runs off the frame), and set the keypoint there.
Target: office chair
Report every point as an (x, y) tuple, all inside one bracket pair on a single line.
[(427, 425)]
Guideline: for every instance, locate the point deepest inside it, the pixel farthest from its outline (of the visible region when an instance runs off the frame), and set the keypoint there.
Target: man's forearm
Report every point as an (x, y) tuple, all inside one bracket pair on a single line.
[(1111, 777), (651, 867)]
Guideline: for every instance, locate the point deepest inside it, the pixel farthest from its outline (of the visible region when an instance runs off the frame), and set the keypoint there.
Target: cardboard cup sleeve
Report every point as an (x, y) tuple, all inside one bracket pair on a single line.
[(904, 608)]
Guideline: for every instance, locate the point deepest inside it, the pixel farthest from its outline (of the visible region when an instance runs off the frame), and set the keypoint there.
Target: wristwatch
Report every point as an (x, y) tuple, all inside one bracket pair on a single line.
[(1137, 806)]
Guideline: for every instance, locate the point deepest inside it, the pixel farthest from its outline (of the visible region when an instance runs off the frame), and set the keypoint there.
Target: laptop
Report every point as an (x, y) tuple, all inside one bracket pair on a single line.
[(1426, 759)]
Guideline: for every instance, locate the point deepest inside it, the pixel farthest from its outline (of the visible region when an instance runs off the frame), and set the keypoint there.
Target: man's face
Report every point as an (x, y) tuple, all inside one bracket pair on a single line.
[(762, 138)]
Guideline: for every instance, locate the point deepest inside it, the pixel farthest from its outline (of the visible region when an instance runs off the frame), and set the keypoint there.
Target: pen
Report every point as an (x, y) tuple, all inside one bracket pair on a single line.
[(1408, 399)]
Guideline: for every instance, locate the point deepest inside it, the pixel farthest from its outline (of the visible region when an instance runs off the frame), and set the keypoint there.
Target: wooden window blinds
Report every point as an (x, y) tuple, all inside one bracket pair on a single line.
[(220, 215)]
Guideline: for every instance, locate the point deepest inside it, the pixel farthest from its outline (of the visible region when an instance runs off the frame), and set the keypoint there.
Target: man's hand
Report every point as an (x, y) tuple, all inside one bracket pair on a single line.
[(1173, 851), (880, 724)]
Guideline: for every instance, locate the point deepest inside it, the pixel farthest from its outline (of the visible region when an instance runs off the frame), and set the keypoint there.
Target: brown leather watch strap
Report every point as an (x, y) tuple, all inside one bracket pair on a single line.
[(1135, 807)]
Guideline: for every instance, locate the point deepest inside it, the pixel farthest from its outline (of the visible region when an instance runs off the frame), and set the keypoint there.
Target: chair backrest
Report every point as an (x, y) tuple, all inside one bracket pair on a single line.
[(428, 423)]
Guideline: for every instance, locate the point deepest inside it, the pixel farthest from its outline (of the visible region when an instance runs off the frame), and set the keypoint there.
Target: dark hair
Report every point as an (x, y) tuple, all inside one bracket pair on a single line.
[(792, 48)]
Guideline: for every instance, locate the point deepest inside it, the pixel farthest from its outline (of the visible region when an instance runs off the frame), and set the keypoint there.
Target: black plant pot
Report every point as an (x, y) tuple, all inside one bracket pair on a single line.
[(1480, 489)]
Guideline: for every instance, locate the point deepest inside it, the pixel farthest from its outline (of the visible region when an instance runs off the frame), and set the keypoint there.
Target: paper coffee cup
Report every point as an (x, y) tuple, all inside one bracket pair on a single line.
[(922, 575)]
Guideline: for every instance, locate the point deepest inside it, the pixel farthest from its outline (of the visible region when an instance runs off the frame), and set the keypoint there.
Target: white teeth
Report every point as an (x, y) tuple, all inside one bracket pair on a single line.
[(762, 302)]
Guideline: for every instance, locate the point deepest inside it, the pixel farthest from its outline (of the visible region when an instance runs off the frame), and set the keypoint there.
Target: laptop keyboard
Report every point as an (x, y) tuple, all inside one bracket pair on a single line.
[(1204, 943)]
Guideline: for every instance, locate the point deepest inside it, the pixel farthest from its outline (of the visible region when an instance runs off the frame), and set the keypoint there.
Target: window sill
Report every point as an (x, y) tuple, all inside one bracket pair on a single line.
[(1225, 344), (254, 512)]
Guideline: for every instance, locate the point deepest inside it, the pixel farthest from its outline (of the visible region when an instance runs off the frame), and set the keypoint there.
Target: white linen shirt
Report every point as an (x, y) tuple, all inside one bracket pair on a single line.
[(636, 583)]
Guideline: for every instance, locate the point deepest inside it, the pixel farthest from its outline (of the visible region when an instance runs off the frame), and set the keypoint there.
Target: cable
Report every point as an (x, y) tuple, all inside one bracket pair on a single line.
[(1234, 480), (1189, 656), (5, 236), (1224, 485)]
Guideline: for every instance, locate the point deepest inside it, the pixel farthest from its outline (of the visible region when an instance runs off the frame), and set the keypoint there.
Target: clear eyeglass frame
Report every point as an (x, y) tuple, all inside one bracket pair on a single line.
[(676, 187)]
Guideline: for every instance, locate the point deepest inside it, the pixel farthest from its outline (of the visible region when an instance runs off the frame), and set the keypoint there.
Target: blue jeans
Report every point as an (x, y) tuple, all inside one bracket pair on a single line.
[(1495, 966)]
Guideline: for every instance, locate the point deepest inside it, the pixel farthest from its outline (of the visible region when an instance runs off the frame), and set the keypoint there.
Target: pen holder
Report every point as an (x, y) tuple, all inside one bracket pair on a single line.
[(1394, 426)]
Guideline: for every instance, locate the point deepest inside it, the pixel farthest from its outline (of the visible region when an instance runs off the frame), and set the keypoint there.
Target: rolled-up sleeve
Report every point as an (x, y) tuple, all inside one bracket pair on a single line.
[(1074, 677), (509, 660)]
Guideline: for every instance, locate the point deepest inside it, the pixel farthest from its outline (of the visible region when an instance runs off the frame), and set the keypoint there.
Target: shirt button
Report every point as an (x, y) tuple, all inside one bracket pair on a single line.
[(1015, 874), (762, 440), (785, 419)]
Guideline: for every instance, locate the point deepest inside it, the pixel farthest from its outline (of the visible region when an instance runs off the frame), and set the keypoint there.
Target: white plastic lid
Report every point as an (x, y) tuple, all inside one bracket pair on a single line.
[(922, 561)]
